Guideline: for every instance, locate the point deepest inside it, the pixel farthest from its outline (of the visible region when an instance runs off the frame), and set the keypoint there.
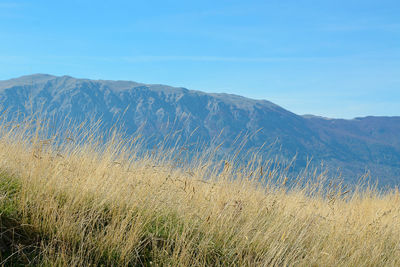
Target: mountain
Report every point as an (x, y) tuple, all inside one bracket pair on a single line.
[(353, 146)]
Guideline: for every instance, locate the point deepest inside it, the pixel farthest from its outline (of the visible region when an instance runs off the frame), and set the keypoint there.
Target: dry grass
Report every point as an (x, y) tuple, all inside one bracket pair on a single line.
[(86, 204)]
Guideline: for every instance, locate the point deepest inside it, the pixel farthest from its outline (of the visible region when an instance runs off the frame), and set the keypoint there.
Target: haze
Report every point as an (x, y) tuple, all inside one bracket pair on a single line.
[(329, 58)]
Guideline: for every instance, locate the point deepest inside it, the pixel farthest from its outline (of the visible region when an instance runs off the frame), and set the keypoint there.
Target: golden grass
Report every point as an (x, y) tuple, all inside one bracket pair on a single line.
[(90, 204)]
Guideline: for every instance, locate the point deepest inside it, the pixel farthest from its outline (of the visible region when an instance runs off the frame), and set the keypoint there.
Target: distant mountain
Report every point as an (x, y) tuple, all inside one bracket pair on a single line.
[(354, 146)]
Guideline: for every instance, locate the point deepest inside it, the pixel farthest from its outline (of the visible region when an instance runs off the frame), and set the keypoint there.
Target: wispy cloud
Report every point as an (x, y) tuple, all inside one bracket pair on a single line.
[(361, 26), (9, 5), (12, 10), (306, 58), (205, 58), (214, 59)]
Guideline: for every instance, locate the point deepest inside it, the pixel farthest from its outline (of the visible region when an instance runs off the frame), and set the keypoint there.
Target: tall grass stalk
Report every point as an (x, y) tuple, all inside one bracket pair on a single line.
[(75, 198)]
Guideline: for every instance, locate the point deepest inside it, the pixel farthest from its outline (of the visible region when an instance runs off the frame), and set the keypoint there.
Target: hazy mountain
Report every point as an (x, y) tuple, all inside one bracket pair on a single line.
[(354, 146)]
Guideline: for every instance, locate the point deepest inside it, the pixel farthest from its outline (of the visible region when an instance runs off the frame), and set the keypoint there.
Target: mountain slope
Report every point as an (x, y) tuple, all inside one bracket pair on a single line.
[(352, 145)]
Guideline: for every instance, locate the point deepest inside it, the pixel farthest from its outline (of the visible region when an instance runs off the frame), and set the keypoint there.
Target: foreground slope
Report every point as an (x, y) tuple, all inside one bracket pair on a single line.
[(69, 204), (353, 146)]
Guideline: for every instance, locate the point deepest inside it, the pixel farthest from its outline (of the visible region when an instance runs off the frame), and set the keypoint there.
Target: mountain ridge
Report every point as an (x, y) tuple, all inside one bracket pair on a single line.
[(353, 145)]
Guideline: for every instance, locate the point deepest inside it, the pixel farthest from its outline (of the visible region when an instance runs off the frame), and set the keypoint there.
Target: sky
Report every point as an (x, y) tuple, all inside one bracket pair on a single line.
[(338, 59)]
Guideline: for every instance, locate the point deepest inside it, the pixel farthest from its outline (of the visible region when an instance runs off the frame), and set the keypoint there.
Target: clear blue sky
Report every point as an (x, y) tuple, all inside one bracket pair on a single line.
[(338, 58)]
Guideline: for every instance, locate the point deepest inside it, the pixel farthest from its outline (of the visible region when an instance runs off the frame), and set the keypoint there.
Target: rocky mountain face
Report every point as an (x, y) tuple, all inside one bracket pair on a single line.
[(353, 146)]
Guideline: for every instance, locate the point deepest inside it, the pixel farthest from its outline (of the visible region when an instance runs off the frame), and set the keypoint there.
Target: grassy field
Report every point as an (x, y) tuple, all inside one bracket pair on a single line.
[(70, 203)]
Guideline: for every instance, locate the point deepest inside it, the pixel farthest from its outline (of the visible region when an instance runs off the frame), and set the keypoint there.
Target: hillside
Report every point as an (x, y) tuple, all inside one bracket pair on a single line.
[(95, 204), (353, 146)]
